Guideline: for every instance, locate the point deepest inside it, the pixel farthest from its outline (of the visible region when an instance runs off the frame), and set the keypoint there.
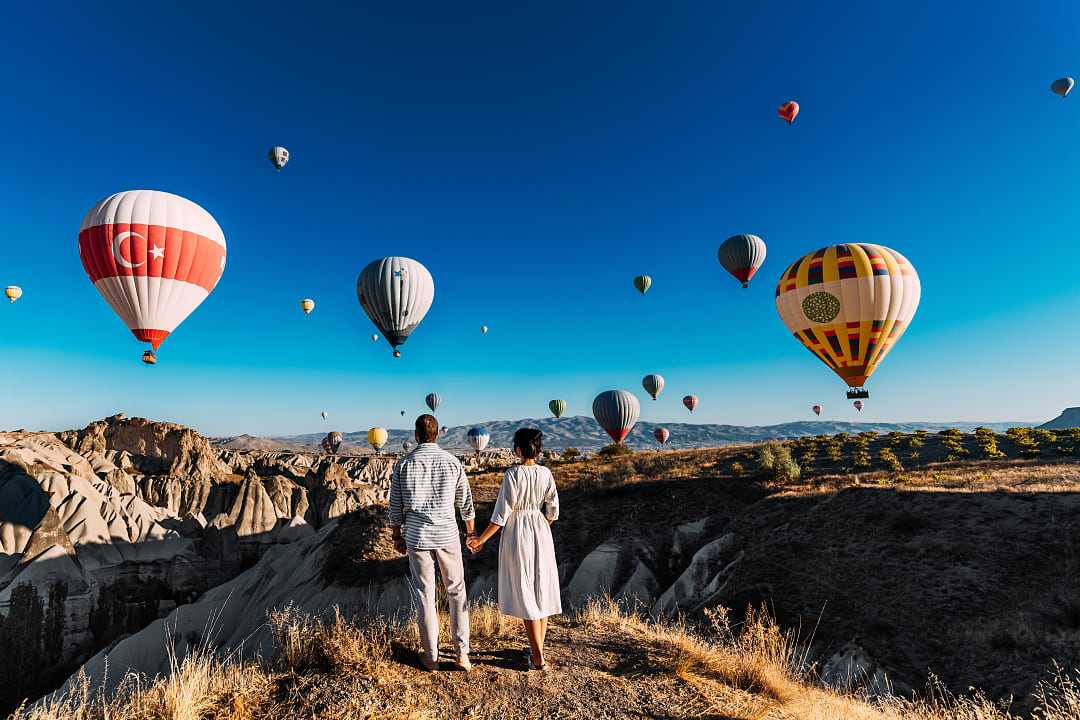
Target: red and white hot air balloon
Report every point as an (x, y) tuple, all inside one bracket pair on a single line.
[(661, 435), (153, 256), (690, 401)]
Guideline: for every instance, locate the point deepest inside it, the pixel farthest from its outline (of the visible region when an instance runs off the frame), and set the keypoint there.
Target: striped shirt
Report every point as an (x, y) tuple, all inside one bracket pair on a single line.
[(426, 487)]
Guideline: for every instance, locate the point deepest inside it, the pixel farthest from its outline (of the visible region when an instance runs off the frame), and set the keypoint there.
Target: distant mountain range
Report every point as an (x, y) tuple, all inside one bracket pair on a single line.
[(584, 433), (1069, 418)]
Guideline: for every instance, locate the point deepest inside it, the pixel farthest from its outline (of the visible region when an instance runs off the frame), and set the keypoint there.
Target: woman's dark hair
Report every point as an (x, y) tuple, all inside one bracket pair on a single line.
[(529, 441)]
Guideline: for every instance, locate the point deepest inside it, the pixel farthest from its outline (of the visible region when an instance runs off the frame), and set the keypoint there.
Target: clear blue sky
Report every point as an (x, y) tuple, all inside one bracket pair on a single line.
[(536, 159)]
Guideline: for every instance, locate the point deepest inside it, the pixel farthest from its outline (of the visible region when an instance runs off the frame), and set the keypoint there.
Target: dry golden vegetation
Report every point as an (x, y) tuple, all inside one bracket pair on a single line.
[(607, 664)]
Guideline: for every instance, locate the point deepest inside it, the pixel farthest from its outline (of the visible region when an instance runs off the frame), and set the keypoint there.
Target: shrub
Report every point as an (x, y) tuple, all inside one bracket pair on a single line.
[(889, 458), (893, 439), (776, 464), (570, 454), (987, 442), (655, 465), (737, 469), (1025, 441), (614, 450)]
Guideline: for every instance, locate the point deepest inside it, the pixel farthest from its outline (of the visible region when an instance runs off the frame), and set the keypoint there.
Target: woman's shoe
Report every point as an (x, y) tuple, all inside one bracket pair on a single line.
[(542, 668)]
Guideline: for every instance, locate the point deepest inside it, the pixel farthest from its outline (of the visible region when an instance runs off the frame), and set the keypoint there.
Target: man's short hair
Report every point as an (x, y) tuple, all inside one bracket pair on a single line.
[(427, 429)]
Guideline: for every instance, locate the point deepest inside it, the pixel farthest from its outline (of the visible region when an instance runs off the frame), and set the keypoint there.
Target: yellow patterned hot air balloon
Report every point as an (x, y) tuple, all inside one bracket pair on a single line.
[(849, 304), (376, 437), (13, 292)]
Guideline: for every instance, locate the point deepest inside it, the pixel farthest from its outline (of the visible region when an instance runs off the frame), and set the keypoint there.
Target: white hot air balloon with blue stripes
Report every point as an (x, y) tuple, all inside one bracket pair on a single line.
[(653, 384), (396, 293), (478, 439)]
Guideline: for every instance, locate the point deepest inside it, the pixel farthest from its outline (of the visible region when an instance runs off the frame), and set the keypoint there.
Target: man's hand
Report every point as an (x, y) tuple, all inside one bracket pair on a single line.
[(474, 544)]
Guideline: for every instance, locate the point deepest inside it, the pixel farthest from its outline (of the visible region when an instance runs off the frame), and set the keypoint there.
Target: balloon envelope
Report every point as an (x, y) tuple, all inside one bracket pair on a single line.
[(557, 407), (484, 329), (433, 401), (278, 156), (307, 305), (617, 412), (643, 283), (376, 437), (849, 304), (323, 413), (653, 384), (1062, 86), (478, 439), (858, 405), (742, 255), (153, 256), (396, 293), (13, 292), (690, 401), (661, 435), (816, 409), (788, 111)]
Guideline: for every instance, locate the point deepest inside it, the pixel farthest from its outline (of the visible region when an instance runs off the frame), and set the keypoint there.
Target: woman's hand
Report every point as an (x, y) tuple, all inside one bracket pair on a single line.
[(474, 544)]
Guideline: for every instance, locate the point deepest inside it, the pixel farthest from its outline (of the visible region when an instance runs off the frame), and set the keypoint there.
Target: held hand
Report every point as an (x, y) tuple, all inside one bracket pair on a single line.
[(474, 544), (399, 545)]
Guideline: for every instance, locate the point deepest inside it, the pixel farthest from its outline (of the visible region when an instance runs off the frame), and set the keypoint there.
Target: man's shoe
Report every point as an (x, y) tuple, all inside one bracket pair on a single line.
[(463, 662), (427, 663)]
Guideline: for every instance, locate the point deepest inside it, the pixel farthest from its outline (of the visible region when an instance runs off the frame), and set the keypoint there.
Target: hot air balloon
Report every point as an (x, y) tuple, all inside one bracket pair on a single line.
[(332, 442), (661, 435), (406, 446), (742, 255), (13, 292), (153, 256), (483, 329), (402, 413), (278, 156), (307, 305), (149, 357), (1062, 86), (443, 430), (849, 304), (478, 439), (653, 384), (376, 437), (788, 111), (616, 411), (374, 338), (643, 283), (690, 401), (816, 409), (557, 407), (433, 401), (323, 413), (396, 293), (858, 405)]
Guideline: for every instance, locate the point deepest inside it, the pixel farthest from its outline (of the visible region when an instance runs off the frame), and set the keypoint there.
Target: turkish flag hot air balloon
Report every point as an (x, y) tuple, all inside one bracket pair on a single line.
[(617, 412), (788, 111), (690, 401), (153, 256), (849, 304), (396, 293)]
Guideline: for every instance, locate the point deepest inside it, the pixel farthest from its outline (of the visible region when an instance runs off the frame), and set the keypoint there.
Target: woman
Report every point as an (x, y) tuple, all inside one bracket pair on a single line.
[(528, 575)]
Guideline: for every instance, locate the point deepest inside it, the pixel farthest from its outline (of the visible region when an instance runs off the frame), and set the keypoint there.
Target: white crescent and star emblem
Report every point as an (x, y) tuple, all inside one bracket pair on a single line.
[(118, 239)]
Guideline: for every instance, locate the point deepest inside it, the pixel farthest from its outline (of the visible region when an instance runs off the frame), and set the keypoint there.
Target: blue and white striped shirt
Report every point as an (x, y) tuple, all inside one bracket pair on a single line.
[(426, 487)]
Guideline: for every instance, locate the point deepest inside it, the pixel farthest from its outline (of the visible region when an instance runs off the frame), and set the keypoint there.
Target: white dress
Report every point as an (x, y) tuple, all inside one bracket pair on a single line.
[(528, 575)]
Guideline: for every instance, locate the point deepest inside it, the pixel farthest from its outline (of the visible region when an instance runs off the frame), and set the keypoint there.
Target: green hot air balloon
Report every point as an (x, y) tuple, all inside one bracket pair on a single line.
[(557, 407), (643, 283)]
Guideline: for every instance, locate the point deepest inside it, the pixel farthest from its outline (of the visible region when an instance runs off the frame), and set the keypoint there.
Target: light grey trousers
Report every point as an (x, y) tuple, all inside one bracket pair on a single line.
[(422, 567)]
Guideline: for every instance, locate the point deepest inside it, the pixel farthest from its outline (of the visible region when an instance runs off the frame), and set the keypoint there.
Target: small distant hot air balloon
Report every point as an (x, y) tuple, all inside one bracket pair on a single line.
[(1062, 86), (617, 411), (307, 305), (858, 405), (788, 111), (402, 413), (149, 357), (323, 413), (816, 409), (406, 446), (478, 439), (13, 292), (433, 401), (153, 256), (396, 293), (557, 407), (483, 329), (443, 430), (643, 283), (374, 338), (690, 401), (849, 305), (742, 255), (279, 156), (661, 435), (376, 437), (332, 442), (653, 384)]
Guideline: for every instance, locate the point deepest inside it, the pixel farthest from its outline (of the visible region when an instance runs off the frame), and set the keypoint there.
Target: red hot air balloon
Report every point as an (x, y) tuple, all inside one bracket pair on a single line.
[(661, 435), (816, 409), (858, 405), (153, 256), (788, 111), (690, 401)]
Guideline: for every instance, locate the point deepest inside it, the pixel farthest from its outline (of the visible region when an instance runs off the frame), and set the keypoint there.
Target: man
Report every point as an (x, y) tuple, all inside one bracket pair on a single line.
[(426, 487)]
